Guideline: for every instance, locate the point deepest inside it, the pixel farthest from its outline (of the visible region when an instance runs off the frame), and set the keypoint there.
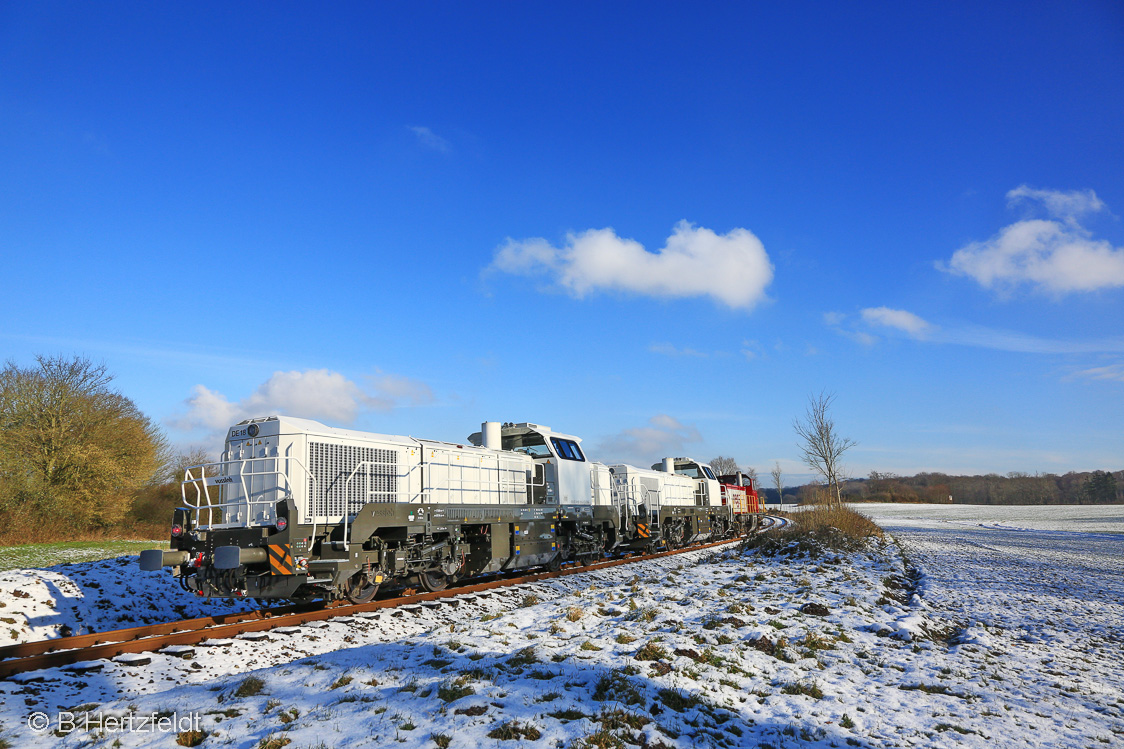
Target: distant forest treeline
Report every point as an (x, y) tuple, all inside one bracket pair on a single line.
[(1090, 487)]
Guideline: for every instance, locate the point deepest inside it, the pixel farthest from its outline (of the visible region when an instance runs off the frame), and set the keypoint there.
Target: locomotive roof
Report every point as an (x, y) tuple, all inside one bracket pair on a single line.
[(294, 425), (683, 460), (523, 427)]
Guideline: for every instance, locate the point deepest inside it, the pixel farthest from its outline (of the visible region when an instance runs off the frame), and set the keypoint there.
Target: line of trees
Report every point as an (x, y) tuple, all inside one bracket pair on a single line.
[(1016, 488), (822, 449)]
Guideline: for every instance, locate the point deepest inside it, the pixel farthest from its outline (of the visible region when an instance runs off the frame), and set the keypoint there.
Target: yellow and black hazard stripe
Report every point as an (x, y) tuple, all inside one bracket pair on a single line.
[(280, 560), (642, 530)]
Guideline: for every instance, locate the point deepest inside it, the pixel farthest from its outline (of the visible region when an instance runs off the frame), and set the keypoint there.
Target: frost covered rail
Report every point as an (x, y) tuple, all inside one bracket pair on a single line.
[(64, 651)]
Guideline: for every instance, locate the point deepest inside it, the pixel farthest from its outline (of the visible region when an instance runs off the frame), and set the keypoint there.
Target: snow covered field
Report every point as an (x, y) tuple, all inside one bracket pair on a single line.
[(1005, 638), (1080, 518), (1042, 591)]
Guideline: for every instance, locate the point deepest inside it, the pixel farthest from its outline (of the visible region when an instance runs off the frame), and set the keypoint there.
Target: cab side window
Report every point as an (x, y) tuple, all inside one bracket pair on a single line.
[(567, 449)]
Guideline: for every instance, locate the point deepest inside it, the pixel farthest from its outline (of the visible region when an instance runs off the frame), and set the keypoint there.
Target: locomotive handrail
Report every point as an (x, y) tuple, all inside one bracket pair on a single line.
[(201, 485), (367, 474), (478, 485), (205, 493)]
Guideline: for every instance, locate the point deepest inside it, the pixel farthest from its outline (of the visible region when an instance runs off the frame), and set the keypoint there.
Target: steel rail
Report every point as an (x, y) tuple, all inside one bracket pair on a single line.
[(63, 651)]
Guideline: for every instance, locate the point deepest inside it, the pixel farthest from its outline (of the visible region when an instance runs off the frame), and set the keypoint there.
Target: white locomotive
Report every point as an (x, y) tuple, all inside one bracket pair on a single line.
[(297, 509)]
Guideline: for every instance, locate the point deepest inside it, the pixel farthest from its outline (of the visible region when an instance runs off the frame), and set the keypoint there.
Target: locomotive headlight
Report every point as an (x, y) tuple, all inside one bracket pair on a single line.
[(177, 530), (281, 524)]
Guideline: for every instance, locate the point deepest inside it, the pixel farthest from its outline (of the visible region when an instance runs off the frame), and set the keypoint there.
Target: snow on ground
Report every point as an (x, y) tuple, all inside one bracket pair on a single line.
[(1043, 602), (1004, 638), (66, 599), (1083, 518)]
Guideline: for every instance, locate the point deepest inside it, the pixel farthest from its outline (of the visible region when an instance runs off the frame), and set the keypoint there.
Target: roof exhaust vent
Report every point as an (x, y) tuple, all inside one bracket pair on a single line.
[(490, 431)]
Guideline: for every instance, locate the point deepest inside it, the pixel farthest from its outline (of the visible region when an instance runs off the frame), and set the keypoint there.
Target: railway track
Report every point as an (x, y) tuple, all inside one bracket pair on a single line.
[(64, 651)]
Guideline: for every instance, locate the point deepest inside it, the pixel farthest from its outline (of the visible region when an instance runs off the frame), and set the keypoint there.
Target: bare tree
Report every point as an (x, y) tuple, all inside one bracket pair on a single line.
[(752, 473), (820, 445), (181, 461), (724, 466), (777, 482)]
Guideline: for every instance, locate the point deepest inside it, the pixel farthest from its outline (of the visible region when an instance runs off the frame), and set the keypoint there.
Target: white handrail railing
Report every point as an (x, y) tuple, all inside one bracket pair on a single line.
[(502, 484), (223, 477)]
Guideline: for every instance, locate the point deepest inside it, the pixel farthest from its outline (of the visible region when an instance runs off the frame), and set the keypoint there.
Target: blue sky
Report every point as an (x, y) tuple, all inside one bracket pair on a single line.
[(658, 226)]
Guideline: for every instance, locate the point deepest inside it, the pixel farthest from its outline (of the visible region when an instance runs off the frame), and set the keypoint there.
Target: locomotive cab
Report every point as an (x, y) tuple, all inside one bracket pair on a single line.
[(587, 524), (713, 518), (566, 476), (739, 491), (707, 489)]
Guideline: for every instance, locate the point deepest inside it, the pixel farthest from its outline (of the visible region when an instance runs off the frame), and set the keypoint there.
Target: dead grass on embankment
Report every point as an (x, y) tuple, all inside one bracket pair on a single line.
[(816, 530), (18, 529)]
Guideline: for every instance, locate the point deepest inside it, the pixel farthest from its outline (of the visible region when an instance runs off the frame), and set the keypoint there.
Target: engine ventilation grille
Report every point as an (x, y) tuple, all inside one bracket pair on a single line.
[(331, 465)]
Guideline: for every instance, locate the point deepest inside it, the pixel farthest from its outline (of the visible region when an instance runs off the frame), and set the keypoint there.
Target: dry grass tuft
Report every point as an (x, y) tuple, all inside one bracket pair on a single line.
[(817, 530), (650, 652), (513, 730), (250, 687), (186, 738)]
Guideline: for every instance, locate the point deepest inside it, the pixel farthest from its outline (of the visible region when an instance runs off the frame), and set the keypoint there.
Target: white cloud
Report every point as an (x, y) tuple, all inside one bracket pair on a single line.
[(837, 321), (1110, 372), (207, 409), (393, 389), (963, 334), (1007, 340), (430, 139), (898, 319), (313, 394), (1055, 255), (1068, 206), (859, 336), (663, 436), (668, 349), (731, 268)]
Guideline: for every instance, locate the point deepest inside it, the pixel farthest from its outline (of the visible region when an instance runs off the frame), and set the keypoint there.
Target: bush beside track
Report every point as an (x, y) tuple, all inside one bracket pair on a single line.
[(817, 530)]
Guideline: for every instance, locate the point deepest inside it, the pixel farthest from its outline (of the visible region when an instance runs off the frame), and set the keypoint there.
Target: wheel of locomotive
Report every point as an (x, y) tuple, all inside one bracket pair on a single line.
[(555, 564), (360, 589), (433, 580)]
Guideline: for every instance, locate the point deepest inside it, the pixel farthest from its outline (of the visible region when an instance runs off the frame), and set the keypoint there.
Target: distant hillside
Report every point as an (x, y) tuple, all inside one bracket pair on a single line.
[(1090, 487)]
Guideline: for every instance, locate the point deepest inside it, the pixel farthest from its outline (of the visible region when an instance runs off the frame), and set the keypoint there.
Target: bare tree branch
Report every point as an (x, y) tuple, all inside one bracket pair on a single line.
[(724, 466), (776, 474), (821, 447)]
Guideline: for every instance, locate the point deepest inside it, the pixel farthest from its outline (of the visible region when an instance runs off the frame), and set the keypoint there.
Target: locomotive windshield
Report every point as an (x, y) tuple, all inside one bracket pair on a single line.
[(530, 443)]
